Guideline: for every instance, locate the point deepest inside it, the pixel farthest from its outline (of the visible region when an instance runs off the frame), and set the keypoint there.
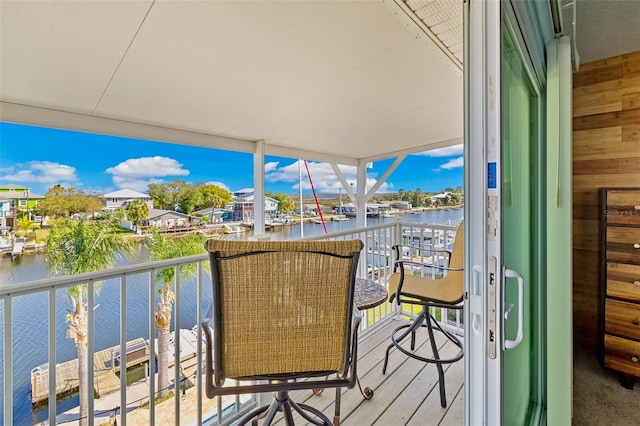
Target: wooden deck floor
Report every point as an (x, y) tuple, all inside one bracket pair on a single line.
[(407, 394)]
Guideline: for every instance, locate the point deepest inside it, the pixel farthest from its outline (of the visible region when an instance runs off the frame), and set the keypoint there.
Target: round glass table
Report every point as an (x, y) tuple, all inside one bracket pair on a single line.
[(369, 294)]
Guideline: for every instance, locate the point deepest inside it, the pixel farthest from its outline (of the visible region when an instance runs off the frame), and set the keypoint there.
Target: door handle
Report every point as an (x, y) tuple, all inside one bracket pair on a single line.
[(510, 344)]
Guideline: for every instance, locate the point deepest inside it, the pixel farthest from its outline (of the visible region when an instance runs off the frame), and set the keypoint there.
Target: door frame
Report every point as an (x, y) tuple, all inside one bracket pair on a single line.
[(484, 277)]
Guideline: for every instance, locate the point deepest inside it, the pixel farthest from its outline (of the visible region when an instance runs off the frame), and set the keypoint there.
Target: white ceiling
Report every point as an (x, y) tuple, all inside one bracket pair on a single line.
[(328, 80), (350, 80)]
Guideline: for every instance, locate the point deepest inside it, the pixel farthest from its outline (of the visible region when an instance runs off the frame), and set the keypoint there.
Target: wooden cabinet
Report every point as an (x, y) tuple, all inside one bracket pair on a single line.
[(620, 296)]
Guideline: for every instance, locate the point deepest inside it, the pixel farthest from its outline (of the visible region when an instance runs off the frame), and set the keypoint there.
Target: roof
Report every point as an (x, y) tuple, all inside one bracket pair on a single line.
[(17, 191), (12, 186), (156, 213), (205, 211), (125, 193)]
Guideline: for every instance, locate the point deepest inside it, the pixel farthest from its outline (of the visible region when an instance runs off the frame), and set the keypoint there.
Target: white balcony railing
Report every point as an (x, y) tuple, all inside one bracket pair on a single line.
[(133, 398)]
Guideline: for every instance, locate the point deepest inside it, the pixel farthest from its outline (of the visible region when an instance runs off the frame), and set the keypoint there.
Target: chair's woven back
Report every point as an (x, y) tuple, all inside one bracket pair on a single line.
[(282, 306), (455, 279)]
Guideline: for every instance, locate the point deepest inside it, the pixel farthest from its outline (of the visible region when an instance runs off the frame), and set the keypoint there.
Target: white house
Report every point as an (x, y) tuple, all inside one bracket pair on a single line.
[(243, 205), (120, 198), (167, 219), (441, 197), (5, 211)]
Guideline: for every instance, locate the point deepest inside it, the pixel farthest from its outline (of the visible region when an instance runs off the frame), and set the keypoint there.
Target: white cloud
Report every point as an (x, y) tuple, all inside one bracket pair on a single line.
[(270, 166), (448, 151), (452, 164), (148, 167), (44, 172), (219, 184), (138, 173), (322, 175)]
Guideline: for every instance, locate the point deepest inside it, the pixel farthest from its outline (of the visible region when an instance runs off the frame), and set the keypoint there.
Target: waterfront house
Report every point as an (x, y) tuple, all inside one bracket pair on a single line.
[(18, 201), (243, 205), (5, 213), (401, 205), (215, 215), (169, 219), (122, 197), (439, 198), (543, 95)]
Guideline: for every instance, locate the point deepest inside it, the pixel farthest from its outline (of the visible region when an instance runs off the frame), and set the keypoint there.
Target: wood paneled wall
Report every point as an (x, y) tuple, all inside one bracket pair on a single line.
[(606, 153)]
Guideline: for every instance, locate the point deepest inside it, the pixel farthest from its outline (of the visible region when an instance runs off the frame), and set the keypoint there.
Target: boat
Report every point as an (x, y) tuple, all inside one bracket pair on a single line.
[(235, 229), (340, 218)]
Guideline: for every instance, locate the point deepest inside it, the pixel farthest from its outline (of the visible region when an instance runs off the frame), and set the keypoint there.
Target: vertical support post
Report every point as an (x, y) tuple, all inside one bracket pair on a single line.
[(361, 201), (258, 189), (300, 195)]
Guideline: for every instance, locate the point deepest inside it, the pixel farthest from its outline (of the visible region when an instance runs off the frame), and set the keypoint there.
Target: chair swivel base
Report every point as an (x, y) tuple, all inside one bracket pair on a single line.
[(282, 403), (425, 319)]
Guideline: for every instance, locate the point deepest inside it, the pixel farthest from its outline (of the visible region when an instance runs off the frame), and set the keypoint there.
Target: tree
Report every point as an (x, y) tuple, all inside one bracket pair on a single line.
[(168, 195), (61, 202), (162, 247), (25, 224), (188, 199), (455, 198), (137, 210), (416, 199), (214, 196), (74, 248), (285, 203), (54, 203), (162, 198)]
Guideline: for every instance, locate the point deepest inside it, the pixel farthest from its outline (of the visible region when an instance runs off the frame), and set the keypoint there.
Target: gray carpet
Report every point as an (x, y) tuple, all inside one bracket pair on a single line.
[(598, 397)]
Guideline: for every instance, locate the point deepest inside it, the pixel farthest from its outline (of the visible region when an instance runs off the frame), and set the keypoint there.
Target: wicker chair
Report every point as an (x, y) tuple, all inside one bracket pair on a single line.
[(446, 292), (282, 311)]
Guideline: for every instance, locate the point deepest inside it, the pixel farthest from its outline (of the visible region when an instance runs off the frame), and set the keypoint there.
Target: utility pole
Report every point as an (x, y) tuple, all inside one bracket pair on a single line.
[(26, 193), (14, 219), (340, 209)]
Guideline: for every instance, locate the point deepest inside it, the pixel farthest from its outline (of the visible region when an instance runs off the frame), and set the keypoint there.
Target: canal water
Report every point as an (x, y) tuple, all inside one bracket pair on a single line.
[(30, 312)]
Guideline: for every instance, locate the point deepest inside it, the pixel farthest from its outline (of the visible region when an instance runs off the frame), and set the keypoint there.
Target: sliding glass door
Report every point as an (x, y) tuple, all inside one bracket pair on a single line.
[(505, 360)]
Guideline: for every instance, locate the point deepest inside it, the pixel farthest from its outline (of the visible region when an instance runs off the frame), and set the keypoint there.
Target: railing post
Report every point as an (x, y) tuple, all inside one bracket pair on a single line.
[(52, 357), (397, 240), (8, 363)]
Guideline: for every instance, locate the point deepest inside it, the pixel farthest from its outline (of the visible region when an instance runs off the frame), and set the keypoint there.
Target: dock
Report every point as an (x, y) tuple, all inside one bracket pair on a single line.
[(16, 250), (106, 363)]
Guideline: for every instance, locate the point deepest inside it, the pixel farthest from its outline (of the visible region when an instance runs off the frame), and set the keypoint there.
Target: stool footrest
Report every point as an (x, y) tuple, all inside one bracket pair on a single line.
[(454, 339)]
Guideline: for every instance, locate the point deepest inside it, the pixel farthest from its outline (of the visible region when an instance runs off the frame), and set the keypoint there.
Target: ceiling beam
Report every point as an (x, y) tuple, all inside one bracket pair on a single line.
[(57, 119)]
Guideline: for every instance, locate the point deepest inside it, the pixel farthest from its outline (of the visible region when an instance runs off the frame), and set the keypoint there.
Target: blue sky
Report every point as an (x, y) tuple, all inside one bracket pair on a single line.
[(40, 158)]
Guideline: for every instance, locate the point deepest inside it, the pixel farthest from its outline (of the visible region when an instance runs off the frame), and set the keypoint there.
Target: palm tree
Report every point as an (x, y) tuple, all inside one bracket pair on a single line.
[(74, 248), (162, 247), (137, 210)]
